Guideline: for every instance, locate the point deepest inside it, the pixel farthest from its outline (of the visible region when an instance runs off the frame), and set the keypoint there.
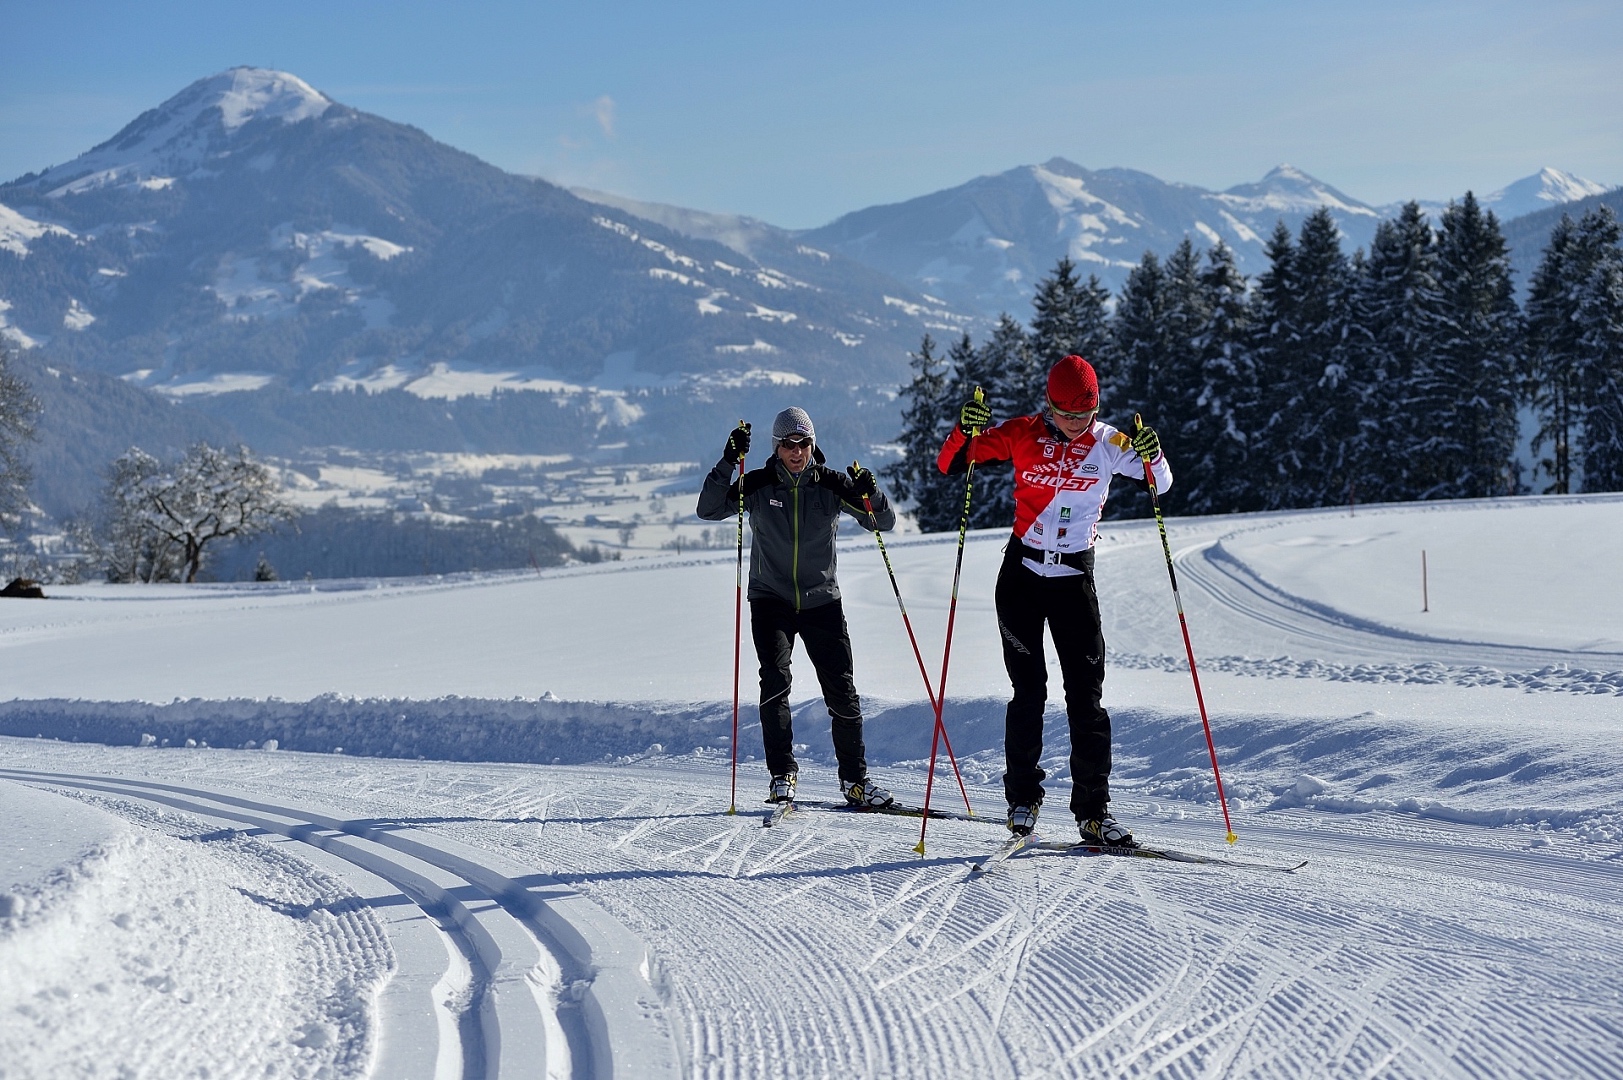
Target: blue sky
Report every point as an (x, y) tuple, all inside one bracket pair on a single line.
[(798, 113)]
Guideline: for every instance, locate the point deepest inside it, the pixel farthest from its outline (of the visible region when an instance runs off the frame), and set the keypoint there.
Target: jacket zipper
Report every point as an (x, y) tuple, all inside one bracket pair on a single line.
[(794, 565)]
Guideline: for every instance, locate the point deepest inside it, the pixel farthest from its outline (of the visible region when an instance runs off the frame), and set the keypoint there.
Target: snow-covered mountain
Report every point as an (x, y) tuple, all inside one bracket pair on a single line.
[(985, 243), (1543, 190), (251, 242)]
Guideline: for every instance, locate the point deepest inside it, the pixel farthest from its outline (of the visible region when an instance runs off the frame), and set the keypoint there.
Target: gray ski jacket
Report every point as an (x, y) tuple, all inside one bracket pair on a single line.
[(794, 520)]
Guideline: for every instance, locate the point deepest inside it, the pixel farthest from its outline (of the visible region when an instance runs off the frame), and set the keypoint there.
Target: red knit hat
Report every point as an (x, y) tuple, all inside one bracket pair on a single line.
[(1072, 386)]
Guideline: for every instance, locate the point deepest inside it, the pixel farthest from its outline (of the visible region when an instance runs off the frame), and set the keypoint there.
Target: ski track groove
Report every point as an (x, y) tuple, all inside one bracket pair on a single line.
[(562, 1042)]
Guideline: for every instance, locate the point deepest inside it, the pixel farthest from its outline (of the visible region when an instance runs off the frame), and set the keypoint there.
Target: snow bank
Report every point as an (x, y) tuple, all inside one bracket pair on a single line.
[(1462, 770)]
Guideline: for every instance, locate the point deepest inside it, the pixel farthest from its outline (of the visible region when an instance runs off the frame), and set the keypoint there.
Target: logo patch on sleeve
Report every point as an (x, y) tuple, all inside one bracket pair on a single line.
[(773, 502)]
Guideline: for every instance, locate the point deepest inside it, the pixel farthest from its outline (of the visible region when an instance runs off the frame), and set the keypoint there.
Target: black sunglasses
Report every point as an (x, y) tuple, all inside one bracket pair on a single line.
[(795, 442)]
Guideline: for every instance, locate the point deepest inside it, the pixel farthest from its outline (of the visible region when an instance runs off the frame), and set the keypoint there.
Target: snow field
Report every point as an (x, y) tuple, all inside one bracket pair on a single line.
[(1453, 783)]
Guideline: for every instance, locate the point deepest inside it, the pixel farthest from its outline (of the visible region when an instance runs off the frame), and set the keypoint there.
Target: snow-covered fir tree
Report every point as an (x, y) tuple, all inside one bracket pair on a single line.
[(1212, 442), (1176, 386), (1002, 368), (1464, 403), (1393, 320), (1326, 419), (1552, 359), (1137, 342), (1070, 317), (1597, 268), (927, 416), (1269, 318), (1303, 411)]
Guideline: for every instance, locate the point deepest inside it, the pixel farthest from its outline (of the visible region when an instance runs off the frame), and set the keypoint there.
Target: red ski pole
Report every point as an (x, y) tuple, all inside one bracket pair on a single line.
[(738, 623), (1189, 649), (907, 622), (946, 649)]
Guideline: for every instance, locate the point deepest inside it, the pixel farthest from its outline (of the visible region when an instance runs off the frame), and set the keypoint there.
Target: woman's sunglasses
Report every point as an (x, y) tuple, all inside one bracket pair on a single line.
[(1057, 411)]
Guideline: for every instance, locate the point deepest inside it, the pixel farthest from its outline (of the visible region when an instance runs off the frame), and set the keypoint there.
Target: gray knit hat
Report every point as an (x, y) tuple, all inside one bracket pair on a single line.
[(792, 421)]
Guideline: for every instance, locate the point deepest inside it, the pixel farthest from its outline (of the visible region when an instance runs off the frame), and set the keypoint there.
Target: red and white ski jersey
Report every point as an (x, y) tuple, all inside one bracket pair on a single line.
[(1059, 487)]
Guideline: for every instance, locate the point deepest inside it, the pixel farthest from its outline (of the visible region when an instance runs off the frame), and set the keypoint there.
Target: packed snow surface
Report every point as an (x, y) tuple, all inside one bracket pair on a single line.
[(480, 826)]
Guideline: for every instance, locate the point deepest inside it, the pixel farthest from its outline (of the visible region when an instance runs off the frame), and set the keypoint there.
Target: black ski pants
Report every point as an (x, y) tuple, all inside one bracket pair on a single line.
[(774, 625), (1070, 607)]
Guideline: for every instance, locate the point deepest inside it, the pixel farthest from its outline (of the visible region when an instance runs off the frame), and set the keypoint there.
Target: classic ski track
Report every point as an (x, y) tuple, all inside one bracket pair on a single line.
[(534, 1001), (1006, 973), (776, 945), (1238, 591)]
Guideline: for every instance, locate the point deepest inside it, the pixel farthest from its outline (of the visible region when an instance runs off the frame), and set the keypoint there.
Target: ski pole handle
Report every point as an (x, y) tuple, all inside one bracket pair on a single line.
[(1149, 476)]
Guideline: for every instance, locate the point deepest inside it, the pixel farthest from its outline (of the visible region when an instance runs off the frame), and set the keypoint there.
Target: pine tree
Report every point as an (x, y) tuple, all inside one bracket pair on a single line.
[(1467, 402), (927, 417), (1001, 368), (1174, 404), (1394, 318), (1056, 322), (1269, 317), (1093, 324), (1326, 418), (1138, 342), (1213, 444), (1014, 378), (1598, 321), (1552, 354)]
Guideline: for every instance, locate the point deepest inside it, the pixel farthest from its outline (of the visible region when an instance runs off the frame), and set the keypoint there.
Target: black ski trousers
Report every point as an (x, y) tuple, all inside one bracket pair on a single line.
[(1070, 607), (774, 626)]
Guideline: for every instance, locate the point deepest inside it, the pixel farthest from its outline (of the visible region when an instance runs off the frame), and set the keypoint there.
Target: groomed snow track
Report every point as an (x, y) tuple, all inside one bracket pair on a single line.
[(504, 975), (1241, 591)]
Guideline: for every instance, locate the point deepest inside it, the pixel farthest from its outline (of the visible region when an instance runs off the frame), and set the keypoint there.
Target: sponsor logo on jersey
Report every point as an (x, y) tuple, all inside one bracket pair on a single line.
[(1090, 467), (1048, 449), (1037, 527), (1065, 513), (1045, 478)]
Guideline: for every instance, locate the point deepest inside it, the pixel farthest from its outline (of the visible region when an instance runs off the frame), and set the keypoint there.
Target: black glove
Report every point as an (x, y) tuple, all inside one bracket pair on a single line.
[(974, 417), (862, 481), (1146, 442), (738, 444)]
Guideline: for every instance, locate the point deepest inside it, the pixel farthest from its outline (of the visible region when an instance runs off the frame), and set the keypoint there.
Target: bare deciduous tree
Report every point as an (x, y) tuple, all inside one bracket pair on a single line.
[(160, 520)]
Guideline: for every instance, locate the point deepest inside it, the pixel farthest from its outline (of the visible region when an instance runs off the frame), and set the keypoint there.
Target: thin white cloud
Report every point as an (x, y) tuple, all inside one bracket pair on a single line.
[(603, 109)]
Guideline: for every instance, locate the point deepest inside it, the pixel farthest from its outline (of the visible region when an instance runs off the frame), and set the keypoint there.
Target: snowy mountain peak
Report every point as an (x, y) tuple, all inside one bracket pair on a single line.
[(246, 93), (1287, 189), (1546, 188), (178, 136)]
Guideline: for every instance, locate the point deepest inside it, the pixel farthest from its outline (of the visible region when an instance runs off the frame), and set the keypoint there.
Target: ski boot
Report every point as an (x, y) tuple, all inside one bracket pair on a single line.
[(1105, 831), (783, 788), (1023, 819), (866, 794)]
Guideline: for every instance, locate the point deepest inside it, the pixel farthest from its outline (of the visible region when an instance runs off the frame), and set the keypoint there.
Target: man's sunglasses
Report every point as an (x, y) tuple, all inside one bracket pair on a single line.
[(1056, 410), (795, 442)]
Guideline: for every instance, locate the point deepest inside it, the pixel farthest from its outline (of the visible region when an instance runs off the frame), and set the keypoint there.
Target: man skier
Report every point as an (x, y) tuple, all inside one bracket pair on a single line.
[(1064, 458), (794, 504)]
